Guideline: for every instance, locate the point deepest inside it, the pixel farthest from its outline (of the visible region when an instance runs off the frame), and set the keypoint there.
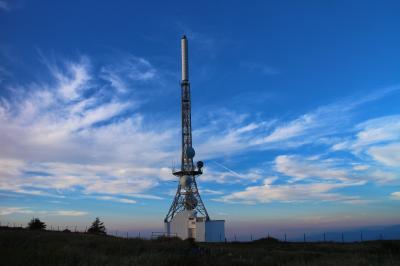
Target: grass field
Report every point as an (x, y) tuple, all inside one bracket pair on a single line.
[(23, 247)]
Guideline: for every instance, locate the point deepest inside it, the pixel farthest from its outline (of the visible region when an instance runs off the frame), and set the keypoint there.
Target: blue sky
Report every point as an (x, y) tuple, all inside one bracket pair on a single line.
[(295, 113)]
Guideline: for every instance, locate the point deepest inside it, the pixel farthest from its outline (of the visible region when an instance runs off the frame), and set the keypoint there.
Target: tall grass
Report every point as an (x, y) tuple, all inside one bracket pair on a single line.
[(24, 247)]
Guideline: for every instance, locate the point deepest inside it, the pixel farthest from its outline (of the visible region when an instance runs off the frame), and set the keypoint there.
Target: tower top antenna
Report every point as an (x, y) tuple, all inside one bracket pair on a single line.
[(185, 61)]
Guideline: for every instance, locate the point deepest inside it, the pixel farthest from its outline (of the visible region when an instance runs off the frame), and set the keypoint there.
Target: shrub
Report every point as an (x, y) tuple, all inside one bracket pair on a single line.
[(36, 224)]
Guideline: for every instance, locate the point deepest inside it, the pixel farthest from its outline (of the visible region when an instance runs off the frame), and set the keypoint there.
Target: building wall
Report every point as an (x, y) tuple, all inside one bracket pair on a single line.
[(205, 231), (215, 231), (200, 231), (180, 223)]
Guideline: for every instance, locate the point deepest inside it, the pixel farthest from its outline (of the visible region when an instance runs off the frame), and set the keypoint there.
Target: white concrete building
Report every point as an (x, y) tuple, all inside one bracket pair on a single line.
[(186, 224)]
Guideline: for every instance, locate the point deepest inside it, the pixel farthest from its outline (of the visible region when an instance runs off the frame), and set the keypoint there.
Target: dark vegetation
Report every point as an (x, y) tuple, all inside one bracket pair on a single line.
[(36, 224), (97, 227), (39, 247)]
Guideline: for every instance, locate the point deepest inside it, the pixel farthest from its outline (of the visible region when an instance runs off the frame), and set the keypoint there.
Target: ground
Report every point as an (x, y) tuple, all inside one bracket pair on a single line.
[(24, 247)]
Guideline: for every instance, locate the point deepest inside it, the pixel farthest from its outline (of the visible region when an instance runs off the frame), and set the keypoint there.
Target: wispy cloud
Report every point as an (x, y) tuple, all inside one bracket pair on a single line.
[(386, 154), (5, 5), (79, 140), (240, 132), (67, 213), (261, 68), (115, 199), (379, 130), (130, 69), (377, 138), (13, 210), (70, 134), (25, 210), (396, 195), (289, 193), (300, 179), (210, 192), (229, 176), (300, 168)]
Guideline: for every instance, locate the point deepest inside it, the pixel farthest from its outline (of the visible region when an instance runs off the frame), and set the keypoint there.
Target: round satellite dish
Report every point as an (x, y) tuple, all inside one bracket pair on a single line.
[(200, 164), (190, 152), (190, 202)]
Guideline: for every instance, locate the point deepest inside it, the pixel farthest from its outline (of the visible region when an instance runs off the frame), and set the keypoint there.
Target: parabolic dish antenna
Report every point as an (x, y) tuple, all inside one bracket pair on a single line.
[(190, 152)]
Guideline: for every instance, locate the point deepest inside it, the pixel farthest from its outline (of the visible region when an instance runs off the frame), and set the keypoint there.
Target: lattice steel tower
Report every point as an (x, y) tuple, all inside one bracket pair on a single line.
[(187, 196)]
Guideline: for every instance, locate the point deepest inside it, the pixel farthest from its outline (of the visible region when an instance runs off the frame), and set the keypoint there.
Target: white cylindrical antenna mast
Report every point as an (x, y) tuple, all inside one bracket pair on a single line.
[(185, 68)]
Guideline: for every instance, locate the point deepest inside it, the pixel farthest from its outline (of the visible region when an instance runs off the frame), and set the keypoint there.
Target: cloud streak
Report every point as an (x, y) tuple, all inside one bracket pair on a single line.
[(4, 211), (85, 132)]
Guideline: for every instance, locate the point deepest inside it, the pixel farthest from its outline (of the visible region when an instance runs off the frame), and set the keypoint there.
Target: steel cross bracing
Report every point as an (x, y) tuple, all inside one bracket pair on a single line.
[(187, 161), (187, 196)]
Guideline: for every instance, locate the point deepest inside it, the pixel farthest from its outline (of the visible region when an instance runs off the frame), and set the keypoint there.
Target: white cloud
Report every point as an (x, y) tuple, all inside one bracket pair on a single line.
[(378, 130), (4, 5), (73, 81), (396, 195), (377, 138), (289, 193), (381, 176), (237, 133), (381, 130), (310, 178), (67, 213), (323, 122), (211, 174), (25, 210), (292, 129), (300, 168), (210, 192), (55, 139), (115, 199), (129, 69), (112, 179), (360, 167), (14, 210), (386, 154)]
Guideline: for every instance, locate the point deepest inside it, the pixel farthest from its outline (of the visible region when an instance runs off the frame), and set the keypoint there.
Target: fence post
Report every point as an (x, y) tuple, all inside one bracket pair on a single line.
[(285, 237), (304, 237)]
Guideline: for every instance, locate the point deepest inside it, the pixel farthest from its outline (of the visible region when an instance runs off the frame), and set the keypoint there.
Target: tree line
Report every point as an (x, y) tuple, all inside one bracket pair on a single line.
[(97, 226)]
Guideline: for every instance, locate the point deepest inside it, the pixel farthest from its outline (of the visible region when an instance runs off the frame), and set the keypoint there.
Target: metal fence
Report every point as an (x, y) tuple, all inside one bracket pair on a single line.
[(338, 237)]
